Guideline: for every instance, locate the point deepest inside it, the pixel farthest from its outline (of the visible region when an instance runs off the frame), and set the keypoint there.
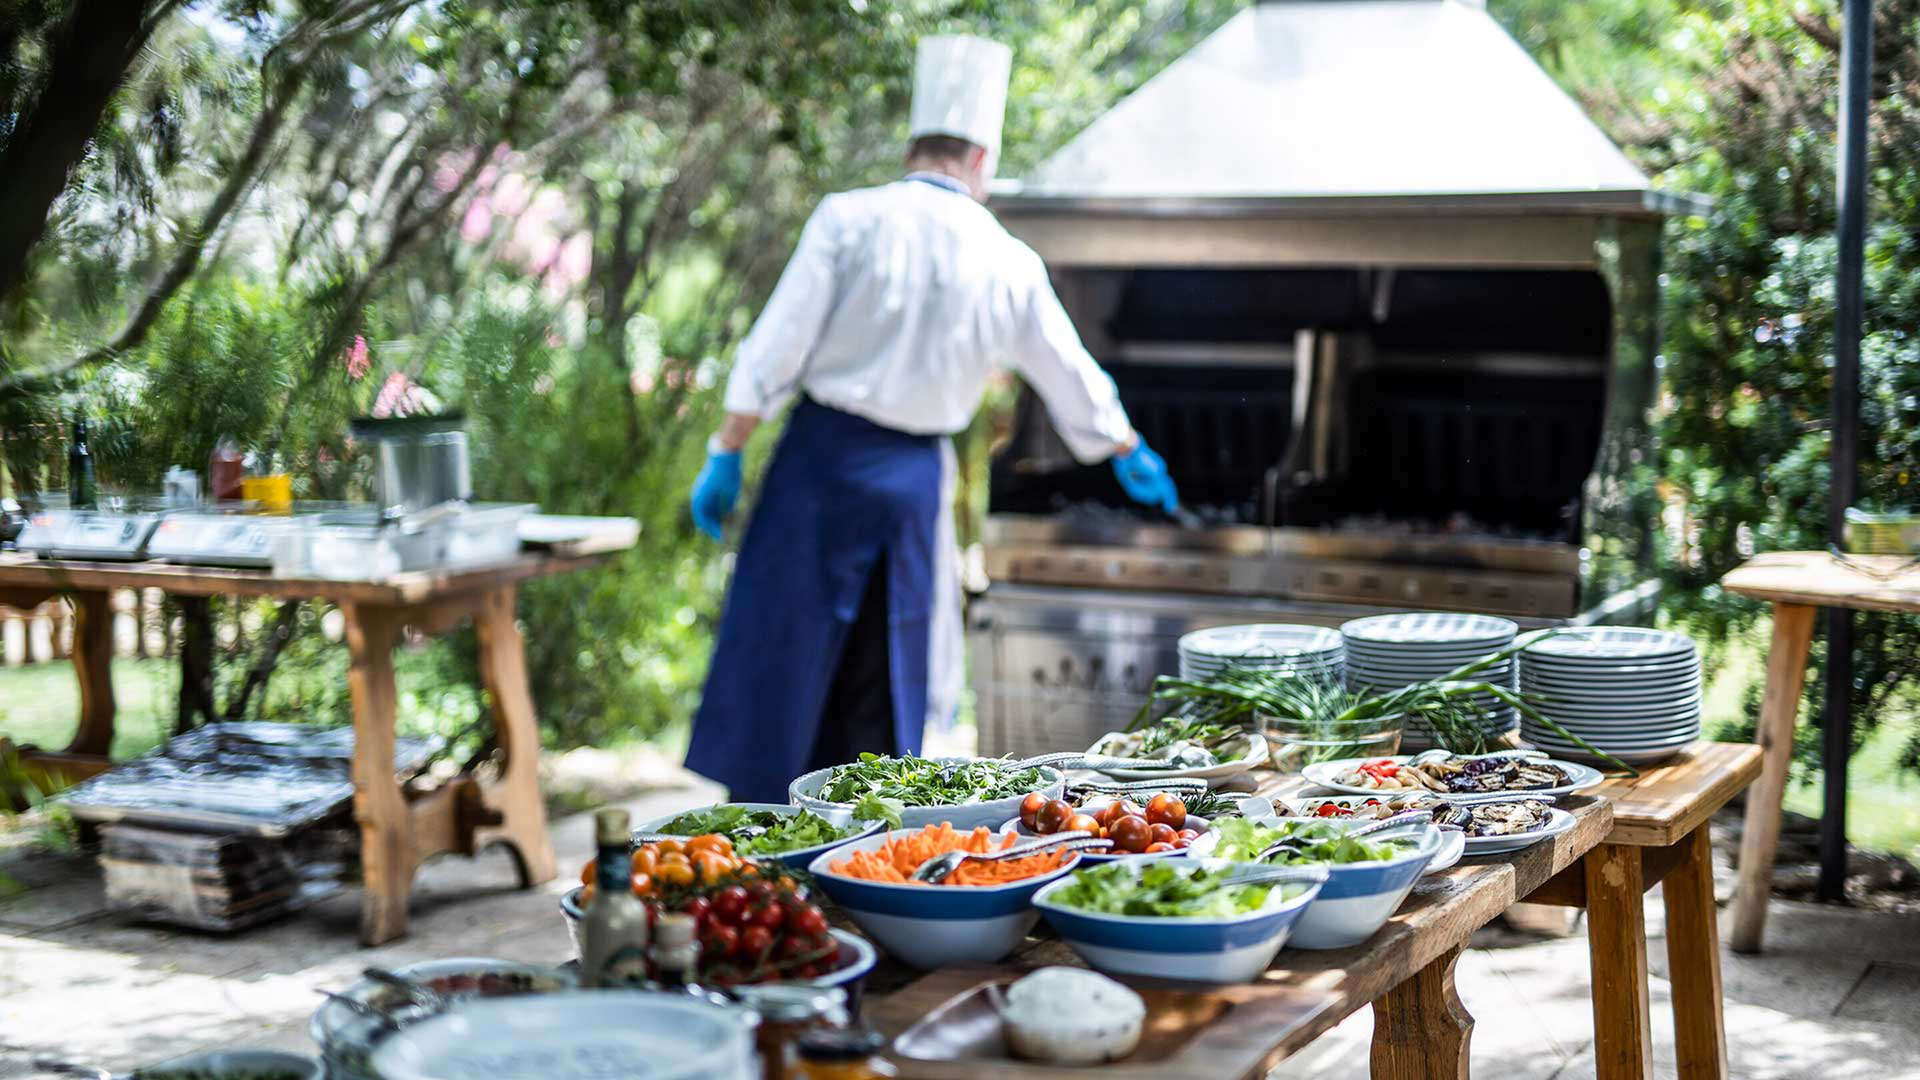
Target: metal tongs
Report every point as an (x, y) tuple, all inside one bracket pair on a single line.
[(1402, 820), (940, 867)]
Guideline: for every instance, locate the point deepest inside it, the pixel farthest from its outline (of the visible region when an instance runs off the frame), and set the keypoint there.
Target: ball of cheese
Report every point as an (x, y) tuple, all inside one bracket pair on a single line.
[(1071, 1016)]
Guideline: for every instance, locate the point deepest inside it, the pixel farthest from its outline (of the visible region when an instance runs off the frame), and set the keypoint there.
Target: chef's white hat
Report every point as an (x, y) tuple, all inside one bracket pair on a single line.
[(960, 89)]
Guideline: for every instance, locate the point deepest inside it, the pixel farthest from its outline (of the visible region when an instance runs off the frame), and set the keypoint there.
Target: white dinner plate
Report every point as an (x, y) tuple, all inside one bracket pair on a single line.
[(1579, 777), (1604, 643), (1562, 711), (1429, 627), (1548, 740)]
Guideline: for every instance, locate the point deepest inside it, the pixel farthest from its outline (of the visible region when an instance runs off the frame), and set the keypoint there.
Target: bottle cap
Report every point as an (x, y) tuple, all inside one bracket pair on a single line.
[(611, 827)]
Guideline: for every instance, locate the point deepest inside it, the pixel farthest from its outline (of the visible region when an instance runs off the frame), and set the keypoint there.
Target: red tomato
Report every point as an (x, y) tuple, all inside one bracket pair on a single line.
[(697, 907), (771, 917), (761, 892), (1128, 806), (1161, 833), (1107, 813), (1167, 809), (1189, 834), (1083, 823), (1158, 847), (754, 942), (1053, 817), (1030, 809), (808, 919), (1181, 843), (719, 940), (1131, 833), (793, 946), (729, 904)]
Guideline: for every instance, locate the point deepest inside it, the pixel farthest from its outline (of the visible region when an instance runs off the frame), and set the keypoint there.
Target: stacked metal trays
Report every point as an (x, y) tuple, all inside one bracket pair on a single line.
[(1310, 651), (1631, 691), (1386, 652)]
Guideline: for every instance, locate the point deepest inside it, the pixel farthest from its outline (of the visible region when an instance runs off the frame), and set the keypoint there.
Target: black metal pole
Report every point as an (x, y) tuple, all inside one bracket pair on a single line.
[(1856, 73)]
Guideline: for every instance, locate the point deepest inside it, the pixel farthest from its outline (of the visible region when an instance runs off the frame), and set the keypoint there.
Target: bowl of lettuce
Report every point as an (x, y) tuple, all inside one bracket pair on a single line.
[(792, 834), (1367, 877), (1175, 918)]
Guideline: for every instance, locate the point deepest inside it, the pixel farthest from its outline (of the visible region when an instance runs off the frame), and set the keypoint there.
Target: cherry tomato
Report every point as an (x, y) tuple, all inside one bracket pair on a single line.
[(1030, 809), (720, 939), (1052, 817), (1161, 833), (587, 871), (754, 942), (773, 916), (1181, 843), (807, 919), (642, 883), (730, 903), (711, 842), (1190, 833), (677, 874), (792, 947), (698, 907), (1167, 809), (1107, 813), (712, 865), (1131, 833), (1083, 823), (669, 847), (1159, 847), (761, 893), (646, 860)]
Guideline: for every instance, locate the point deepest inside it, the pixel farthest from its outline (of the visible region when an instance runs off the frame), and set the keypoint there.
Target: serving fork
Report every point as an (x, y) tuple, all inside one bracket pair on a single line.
[(940, 867)]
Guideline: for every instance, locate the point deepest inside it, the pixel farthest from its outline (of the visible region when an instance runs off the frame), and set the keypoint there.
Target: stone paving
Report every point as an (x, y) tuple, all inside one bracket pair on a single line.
[(1836, 996)]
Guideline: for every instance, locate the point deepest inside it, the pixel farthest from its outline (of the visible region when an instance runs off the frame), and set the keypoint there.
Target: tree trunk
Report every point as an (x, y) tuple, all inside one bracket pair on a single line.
[(88, 58), (196, 662)]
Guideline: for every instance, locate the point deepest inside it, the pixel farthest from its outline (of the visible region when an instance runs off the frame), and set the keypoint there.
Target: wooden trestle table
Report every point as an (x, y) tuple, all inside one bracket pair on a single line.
[(1627, 835), (399, 829)]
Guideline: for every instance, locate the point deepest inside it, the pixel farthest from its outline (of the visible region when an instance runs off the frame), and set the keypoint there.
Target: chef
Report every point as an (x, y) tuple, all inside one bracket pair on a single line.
[(842, 622)]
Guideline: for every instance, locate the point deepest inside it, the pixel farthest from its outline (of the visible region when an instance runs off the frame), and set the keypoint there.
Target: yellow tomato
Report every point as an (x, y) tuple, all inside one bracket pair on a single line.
[(675, 873), (645, 860), (715, 842), (669, 847)]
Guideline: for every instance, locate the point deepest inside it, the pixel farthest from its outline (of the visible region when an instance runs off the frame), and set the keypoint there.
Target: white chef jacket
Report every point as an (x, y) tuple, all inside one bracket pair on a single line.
[(897, 306)]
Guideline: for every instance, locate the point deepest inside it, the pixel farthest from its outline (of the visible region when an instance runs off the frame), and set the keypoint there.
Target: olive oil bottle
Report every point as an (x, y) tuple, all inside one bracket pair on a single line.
[(613, 949)]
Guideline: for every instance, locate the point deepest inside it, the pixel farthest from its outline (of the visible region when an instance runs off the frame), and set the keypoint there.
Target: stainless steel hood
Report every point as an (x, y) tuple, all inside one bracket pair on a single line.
[(1414, 101)]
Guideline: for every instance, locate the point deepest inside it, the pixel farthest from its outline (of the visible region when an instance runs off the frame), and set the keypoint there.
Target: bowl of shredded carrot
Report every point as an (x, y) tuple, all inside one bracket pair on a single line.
[(977, 915)]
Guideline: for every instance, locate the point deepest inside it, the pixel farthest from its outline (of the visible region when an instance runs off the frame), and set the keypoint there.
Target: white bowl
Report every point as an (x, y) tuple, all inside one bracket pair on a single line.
[(931, 926), (804, 792), (1212, 949)]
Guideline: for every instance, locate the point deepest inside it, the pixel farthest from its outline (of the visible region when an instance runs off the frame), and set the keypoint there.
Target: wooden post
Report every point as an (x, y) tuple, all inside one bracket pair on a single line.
[(1421, 1031), (1786, 673), (1617, 942), (93, 664), (516, 798), (386, 824), (1693, 961)]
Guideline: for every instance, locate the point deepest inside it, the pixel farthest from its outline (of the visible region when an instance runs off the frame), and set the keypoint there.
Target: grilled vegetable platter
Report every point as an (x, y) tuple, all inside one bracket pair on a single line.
[(1492, 827), (1453, 776)]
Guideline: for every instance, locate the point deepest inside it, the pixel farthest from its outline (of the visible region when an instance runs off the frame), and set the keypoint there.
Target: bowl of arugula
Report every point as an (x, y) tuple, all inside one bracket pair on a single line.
[(792, 834), (913, 792), (1176, 918)]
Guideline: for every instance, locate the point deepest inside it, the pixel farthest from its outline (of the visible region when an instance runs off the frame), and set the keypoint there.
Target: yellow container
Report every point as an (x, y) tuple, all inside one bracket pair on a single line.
[(273, 493)]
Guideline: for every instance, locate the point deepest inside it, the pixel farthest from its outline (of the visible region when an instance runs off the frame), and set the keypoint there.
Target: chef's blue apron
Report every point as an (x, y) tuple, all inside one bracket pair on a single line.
[(844, 498)]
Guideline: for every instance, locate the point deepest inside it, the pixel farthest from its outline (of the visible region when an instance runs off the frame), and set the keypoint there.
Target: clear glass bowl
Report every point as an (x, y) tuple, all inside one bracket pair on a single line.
[(1293, 745)]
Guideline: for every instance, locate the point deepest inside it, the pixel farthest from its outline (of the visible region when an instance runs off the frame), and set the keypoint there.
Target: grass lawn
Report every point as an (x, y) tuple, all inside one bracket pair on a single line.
[(40, 703)]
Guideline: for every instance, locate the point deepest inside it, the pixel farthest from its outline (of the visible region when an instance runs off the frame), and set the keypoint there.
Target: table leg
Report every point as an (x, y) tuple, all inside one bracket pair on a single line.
[(1693, 961), (516, 798), (386, 823), (1617, 943), (93, 663), (1786, 672), (1420, 1028)]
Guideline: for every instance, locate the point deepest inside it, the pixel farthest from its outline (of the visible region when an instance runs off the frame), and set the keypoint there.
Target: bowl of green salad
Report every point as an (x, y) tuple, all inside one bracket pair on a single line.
[(913, 792), (792, 834), (1367, 877), (1176, 918)]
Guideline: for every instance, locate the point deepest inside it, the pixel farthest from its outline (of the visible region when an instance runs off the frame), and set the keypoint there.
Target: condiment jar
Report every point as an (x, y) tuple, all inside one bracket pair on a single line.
[(842, 1054), (786, 1012)]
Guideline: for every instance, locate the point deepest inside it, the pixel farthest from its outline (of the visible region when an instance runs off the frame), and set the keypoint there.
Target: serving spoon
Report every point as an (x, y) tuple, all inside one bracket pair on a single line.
[(940, 867)]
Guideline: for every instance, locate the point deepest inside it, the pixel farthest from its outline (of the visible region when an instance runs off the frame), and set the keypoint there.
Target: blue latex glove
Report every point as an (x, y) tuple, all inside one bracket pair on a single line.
[(1144, 476), (716, 490)]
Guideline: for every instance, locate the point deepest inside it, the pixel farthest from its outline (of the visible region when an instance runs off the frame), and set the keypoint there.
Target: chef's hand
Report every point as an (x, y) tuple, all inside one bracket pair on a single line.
[(1144, 476), (716, 490)]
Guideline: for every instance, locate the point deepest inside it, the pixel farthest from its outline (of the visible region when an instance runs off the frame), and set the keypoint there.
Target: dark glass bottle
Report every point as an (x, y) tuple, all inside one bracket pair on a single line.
[(82, 494)]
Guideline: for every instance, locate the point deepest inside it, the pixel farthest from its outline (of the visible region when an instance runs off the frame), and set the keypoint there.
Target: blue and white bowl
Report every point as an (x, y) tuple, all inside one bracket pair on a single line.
[(931, 926), (798, 858), (804, 791), (1210, 948), (1359, 898)]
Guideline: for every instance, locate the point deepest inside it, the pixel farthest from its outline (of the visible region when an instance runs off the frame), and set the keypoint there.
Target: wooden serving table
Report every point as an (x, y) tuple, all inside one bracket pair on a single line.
[(399, 829), (1628, 835), (1405, 972), (1797, 583)]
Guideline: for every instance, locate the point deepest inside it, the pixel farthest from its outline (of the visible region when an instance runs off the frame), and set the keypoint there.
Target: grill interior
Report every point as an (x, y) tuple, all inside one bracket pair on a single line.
[(1444, 395)]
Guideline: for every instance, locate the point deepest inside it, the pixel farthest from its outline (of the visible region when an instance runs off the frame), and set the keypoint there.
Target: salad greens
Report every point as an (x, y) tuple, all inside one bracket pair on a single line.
[(918, 781), (1165, 887), (760, 832), (1242, 839)]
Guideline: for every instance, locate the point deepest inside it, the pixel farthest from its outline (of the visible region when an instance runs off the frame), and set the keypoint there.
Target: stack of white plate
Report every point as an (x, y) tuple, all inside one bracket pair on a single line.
[(1386, 652), (1628, 690), (1311, 651)]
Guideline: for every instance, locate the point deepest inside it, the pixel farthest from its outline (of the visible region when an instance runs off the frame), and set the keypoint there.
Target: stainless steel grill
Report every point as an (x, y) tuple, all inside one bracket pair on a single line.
[(1383, 381)]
